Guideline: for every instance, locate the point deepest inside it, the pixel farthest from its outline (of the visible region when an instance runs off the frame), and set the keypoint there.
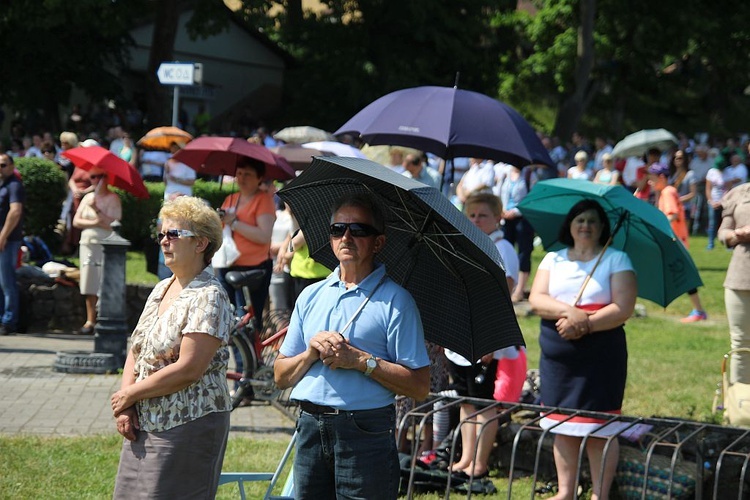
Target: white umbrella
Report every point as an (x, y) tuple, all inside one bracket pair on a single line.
[(300, 135), (337, 148), (638, 143)]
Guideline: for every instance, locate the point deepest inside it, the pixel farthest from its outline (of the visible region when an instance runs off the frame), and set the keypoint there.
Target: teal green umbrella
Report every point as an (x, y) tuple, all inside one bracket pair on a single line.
[(663, 266)]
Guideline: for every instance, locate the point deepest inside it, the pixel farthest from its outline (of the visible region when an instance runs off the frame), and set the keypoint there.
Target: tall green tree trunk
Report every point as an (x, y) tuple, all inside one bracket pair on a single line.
[(162, 49), (573, 107)]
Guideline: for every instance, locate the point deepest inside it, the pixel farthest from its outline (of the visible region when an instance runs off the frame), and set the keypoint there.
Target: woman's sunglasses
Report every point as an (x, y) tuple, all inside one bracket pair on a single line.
[(173, 234), (357, 229)]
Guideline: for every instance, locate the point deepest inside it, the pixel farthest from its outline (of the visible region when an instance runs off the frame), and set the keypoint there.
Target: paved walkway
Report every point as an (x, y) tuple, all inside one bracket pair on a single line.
[(34, 399)]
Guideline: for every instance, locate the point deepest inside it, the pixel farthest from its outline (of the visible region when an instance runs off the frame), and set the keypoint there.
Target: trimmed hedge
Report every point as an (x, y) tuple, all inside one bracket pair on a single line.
[(46, 188)]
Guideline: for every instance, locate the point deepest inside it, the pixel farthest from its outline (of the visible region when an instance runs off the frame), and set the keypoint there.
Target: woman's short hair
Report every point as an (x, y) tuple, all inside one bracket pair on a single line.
[(199, 218), (564, 235), (258, 166), (581, 156), (69, 137), (366, 202), (489, 199)]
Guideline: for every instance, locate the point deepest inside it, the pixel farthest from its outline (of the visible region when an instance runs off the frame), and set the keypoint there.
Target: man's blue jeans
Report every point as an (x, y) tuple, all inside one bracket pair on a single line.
[(349, 455), (8, 260)]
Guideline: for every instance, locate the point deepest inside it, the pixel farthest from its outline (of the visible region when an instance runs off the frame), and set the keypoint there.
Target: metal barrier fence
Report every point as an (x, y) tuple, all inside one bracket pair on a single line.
[(659, 457)]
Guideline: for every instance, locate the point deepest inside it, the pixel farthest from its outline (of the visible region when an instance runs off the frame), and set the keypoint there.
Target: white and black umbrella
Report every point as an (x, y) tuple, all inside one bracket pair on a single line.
[(452, 269)]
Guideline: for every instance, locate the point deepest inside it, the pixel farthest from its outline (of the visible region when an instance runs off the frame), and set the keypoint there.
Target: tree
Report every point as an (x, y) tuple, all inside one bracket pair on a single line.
[(651, 64), (166, 18), (53, 45), (583, 89), (356, 51)]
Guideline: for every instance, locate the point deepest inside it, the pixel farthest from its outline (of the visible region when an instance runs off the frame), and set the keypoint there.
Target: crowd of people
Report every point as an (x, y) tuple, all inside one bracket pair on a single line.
[(346, 382)]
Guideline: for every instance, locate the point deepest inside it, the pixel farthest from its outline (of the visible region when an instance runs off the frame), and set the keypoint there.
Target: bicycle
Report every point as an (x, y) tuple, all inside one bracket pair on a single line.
[(250, 367)]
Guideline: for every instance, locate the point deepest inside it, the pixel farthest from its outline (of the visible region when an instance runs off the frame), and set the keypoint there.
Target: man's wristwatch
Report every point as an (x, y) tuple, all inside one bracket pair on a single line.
[(372, 363)]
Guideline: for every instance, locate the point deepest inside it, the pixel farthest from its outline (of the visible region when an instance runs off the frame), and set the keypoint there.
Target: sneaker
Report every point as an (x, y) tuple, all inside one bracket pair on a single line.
[(6, 330), (695, 315)]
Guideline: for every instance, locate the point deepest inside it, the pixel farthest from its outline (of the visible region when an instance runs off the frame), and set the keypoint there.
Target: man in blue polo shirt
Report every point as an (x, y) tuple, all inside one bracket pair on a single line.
[(11, 235), (355, 340)]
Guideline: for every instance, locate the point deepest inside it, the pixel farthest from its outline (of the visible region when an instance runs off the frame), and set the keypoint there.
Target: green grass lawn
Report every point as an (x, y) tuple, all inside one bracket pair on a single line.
[(135, 268), (673, 371)]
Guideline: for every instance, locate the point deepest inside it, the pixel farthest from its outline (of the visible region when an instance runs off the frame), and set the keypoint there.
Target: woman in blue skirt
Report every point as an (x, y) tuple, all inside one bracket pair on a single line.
[(584, 356)]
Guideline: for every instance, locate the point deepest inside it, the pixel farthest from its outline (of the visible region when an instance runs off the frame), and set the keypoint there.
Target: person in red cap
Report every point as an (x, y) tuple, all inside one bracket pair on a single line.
[(670, 205)]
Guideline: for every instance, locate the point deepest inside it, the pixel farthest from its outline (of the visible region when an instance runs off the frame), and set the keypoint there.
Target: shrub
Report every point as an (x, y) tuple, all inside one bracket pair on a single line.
[(46, 188), (139, 216)]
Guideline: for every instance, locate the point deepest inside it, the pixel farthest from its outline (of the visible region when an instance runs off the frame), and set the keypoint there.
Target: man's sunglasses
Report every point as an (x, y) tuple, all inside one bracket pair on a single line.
[(357, 229), (173, 234)]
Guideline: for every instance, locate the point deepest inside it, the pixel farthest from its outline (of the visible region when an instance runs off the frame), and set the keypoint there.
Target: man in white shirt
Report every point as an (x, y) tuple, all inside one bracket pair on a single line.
[(178, 177), (735, 174), (35, 150), (630, 172), (479, 177)]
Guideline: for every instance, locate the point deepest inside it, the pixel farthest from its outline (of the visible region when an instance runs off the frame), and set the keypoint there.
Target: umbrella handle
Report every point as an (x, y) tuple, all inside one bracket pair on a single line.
[(599, 259), (588, 277)]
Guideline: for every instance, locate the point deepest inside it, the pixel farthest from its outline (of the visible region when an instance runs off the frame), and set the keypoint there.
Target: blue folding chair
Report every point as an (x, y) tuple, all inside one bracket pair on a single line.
[(287, 492)]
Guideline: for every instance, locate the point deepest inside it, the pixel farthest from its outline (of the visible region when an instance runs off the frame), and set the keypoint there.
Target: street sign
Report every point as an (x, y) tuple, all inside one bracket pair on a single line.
[(173, 73)]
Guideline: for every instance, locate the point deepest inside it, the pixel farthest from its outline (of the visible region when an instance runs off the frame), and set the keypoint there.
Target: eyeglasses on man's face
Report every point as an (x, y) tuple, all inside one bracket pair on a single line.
[(356, 229), (174, 234)]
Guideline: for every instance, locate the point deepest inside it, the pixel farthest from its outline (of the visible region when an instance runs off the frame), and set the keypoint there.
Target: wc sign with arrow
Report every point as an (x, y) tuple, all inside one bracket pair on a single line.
[(176, 74)]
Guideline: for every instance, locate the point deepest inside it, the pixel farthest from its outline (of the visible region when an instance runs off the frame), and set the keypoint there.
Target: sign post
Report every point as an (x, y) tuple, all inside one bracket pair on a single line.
[(177, 74)]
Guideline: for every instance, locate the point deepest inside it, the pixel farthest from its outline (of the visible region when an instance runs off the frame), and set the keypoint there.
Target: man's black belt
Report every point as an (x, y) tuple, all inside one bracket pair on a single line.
[(309, 407), (314, 409)]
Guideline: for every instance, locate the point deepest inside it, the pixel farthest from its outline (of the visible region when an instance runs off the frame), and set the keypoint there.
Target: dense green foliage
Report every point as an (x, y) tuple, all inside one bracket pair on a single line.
[(652, 64), (358, 51), (655, 64), (139, 216), (46, 188), (53, 45), (676, 64)]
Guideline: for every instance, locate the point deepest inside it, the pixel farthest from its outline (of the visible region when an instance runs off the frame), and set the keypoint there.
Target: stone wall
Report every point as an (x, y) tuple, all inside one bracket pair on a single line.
[(59, 307)]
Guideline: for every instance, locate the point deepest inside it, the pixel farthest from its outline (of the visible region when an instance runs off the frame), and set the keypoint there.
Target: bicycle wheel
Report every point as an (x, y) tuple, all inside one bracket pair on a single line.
[(273, 323), (241, 366)]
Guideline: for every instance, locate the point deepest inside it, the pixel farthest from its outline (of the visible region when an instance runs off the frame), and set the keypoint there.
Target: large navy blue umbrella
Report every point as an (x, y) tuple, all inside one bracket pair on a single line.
[(452, 269), (450, 123)]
